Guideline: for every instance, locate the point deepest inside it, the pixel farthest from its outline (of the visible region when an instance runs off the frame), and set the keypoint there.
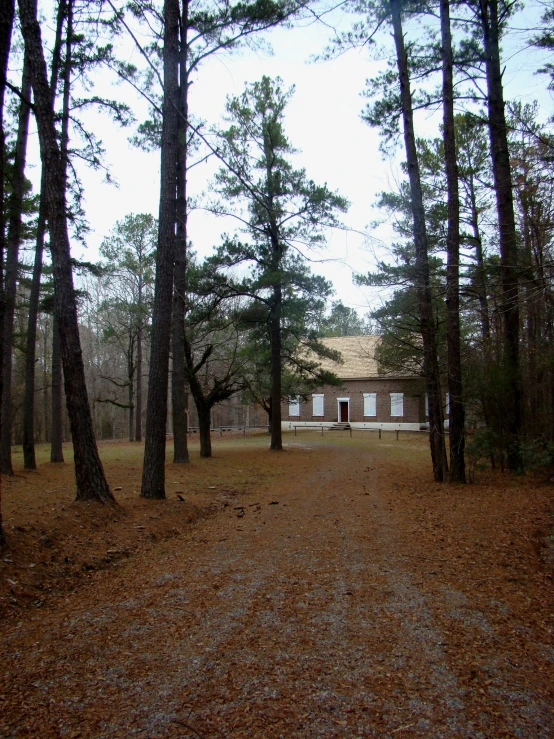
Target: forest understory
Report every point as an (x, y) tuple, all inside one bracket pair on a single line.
[(329, 590)]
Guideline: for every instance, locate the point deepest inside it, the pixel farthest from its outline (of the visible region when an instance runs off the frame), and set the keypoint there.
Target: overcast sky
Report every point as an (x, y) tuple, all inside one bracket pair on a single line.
[(323, 121)]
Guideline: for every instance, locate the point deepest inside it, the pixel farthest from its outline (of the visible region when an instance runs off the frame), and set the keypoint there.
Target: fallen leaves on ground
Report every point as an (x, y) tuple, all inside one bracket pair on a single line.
[(332, 590)]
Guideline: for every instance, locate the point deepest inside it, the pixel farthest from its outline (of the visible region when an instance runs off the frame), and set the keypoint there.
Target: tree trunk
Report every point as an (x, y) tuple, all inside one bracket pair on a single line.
[(500, 155), (422, 277), (480, 272), (203, 408), (204, 430), (29, 461), (131, 385), (179, 396), (275, 327), (7, 11), (12, 265), (138, 394), (46, 380), (457, 411), (90, 478), (56, 435), (178, 385), (153, 474)]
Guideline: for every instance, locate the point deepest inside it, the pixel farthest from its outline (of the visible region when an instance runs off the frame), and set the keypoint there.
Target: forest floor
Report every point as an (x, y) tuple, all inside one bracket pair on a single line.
[(331, 590)]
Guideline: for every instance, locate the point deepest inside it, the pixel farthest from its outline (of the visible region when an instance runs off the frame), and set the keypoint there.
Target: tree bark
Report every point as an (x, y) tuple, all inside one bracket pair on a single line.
[(178, 386), (57, 436), (457, 411), (500, 155), (422, 276), (276, 442), (203, 408), (138, 394), (29, 460), (131, 384), (153, 474), (7, 11), (179, 395), (89, 474), (204, 430), (12, 265), (56, 415), (46, 381), (480, 280), (276, 308)]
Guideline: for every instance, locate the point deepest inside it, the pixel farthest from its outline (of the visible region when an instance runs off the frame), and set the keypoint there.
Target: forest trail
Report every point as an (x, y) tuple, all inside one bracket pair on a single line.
[(350, 601)]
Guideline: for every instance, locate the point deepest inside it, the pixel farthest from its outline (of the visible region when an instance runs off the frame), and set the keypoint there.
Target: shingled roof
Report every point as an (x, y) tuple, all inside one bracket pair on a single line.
[(358, 354), (359, 360)]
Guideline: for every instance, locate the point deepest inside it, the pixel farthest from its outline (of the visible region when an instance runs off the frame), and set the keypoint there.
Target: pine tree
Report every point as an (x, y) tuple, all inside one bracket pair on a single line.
[(90, 478), (287, 212)]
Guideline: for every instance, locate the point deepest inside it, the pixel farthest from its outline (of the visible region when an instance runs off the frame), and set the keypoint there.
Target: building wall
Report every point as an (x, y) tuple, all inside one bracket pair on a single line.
[(412, 389)]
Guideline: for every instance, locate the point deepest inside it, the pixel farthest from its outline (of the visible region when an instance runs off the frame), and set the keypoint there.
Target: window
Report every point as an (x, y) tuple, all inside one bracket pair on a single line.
[(318, 405), (370, 404), (397, 404), (294, 406)]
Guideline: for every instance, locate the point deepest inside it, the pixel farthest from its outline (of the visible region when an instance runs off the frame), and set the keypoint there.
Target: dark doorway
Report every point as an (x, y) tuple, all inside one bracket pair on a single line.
[(343, 411)]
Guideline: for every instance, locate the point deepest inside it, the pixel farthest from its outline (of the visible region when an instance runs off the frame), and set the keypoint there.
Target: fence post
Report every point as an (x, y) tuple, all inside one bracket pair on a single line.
[(379, 433), (396, 434)]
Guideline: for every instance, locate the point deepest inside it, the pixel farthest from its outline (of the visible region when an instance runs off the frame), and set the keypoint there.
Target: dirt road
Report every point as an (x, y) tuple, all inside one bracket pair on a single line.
[(346, 603)]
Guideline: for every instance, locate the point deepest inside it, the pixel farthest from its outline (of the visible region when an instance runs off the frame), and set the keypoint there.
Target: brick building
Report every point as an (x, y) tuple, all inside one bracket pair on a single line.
[(366, 398)]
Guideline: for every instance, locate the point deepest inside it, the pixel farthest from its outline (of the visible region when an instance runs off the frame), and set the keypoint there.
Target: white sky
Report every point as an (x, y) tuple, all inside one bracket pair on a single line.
[(323, 121)]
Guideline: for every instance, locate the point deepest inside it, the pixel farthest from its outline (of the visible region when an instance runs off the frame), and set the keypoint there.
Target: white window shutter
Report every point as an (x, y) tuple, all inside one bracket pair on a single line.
[(318, 405), (294, 406), (370, 404), (397, 404)]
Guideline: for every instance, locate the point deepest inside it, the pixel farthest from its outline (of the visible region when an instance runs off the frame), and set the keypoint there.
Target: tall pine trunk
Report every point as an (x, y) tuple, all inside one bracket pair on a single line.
[(57, 436), (7, 10), (12, 265), (480, 279), (138, 393), (90, 478), (178, 385), (422, 276), (500, 155), (56, 399), (153, 473), (276, 442), (131, 385), (457, 412), (29, 460)]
